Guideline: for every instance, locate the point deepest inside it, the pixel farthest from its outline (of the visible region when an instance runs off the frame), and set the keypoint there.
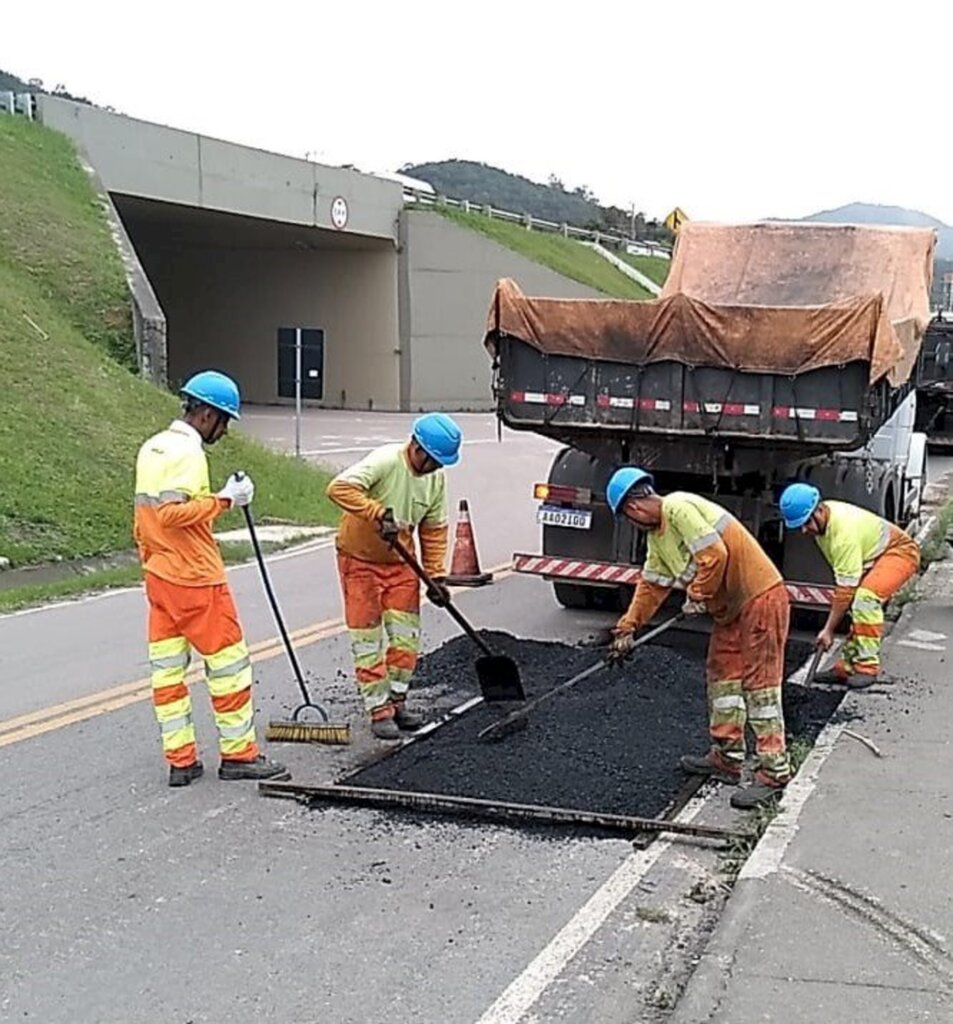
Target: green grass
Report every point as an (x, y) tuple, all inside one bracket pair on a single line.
[(564, 255), (72, 416), (106, 579), (654, 267), (936, 546)]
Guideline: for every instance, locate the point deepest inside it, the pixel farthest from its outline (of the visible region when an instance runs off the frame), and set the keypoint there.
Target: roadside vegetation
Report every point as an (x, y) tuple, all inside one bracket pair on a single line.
[(935, 548), (564, 255), (73, 413), (655, 268)]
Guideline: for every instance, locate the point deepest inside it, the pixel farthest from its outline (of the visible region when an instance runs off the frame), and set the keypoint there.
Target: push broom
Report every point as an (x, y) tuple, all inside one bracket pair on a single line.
[(296, 729)]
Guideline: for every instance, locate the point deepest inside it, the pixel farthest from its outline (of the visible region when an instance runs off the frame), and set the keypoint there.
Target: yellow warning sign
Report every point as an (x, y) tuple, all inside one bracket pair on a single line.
[(676, 219)]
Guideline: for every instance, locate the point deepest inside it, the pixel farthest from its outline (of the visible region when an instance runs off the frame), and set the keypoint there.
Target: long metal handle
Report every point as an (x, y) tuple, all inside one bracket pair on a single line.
[(513, 716), (495, 810), (273, 601), (449, 606), (812, 671)]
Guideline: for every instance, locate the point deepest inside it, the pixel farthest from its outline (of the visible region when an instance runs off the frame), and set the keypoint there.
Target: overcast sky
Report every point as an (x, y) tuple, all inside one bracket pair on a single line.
[(732, 110)]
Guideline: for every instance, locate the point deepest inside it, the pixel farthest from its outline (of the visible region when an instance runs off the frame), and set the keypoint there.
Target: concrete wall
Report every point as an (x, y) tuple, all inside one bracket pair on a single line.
[(447, 277), (224, 308), (139, 158)]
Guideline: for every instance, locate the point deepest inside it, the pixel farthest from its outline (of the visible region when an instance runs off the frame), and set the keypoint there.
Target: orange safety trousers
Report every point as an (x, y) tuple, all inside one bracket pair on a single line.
[(744, 671), (205, 618), (861, 650), (382, 612)]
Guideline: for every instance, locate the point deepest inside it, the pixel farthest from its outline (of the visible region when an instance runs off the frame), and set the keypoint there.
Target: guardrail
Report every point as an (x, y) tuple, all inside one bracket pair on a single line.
[(634, 246), (23, 103)]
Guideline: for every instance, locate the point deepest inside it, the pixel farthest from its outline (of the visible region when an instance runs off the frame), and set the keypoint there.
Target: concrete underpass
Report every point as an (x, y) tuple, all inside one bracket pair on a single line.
[(233, 286)]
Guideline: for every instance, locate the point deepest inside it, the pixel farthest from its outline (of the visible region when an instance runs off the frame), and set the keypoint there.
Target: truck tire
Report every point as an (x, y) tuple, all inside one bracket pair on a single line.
[(571, 595)]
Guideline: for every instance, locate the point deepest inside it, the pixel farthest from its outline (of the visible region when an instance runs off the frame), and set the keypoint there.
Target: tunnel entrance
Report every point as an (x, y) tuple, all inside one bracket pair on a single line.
[(232, 286)]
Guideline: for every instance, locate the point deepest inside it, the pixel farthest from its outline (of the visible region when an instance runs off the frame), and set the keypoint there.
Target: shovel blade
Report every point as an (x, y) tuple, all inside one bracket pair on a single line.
[(499, 678)]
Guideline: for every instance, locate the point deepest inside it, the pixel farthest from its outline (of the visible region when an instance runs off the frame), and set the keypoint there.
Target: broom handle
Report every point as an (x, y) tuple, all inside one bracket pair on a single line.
[(273, 601), (449, 606)]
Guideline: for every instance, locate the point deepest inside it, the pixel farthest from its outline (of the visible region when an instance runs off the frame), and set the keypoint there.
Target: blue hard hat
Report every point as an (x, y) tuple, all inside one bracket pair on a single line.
[(439, 437), (798, 502), (622, 481), (214, 389)]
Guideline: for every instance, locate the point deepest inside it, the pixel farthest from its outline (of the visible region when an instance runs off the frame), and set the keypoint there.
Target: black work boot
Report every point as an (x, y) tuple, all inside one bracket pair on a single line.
[(702, 764), (385, 729), (258, 770), (185, 775), (756, 795), (408, 721)]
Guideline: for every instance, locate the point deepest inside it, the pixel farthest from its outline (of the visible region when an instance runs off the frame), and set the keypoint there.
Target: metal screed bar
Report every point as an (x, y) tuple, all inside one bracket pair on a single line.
[(464, 806)]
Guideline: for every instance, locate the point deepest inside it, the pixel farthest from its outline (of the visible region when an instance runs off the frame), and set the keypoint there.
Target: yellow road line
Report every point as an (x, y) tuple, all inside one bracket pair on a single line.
[(57, 716)]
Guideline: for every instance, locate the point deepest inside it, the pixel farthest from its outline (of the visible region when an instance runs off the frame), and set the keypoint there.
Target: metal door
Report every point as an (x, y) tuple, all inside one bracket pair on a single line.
[(312, 362)]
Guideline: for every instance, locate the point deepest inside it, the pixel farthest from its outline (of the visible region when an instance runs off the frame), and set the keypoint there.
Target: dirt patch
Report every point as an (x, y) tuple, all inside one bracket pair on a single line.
[(610, 744)]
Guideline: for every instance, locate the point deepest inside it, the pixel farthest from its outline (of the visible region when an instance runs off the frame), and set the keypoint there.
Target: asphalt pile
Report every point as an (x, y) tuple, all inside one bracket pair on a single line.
[(610, 744)]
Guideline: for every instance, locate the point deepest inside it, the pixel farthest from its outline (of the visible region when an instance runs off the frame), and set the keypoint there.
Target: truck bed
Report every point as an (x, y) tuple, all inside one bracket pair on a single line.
[(572, 397)]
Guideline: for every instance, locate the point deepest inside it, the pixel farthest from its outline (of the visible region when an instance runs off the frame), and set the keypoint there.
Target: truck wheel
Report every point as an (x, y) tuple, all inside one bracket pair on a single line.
[(571, 595)]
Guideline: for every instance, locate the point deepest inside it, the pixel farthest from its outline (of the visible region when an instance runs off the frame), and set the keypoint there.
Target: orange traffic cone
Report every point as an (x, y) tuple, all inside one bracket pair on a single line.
[(465, 564)]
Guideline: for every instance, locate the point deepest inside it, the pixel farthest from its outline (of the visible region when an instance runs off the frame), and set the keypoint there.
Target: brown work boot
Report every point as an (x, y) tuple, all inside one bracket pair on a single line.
[(851, 681), (705, 764), (385, 729)]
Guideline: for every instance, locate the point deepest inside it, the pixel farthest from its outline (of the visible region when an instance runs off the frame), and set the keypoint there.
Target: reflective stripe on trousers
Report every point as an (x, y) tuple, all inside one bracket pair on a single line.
[(204, 618), (744, 669), (861, 650), (382, 611)]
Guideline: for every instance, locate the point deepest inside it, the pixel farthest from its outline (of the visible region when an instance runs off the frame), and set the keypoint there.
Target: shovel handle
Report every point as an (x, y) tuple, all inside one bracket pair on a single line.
[(449, 606), (502, 724)]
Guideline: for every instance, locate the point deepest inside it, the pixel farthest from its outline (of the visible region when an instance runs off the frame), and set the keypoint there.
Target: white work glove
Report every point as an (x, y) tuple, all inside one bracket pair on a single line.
[(691, 607), (238, 490)]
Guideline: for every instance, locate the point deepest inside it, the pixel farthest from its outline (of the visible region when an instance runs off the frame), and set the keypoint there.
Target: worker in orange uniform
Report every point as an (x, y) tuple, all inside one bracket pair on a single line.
[(871, 559), (190, 603), (392, 491), (697, 545)]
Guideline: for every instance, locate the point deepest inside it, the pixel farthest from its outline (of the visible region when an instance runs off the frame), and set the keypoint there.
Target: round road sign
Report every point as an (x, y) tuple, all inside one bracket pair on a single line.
[(339, 212)]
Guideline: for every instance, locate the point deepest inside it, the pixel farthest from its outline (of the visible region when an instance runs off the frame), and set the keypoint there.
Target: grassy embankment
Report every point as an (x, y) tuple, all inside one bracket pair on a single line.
[(72, 414)]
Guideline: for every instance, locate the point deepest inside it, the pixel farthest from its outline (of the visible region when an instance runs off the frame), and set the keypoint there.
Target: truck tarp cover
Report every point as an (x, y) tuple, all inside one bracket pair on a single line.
[(759, 298)]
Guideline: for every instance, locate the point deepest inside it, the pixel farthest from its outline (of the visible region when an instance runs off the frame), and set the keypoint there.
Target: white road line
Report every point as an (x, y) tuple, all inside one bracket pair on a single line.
[(313, 452), (525, 990), (768, 854), (281, 556)]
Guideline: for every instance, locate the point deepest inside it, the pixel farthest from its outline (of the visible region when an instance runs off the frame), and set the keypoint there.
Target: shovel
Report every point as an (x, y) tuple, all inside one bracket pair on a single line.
[(498, 675), (516, 720)]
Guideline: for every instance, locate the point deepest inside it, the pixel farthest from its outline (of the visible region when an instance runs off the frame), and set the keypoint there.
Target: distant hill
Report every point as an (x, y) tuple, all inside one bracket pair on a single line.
[(870, 213), (554, 201)]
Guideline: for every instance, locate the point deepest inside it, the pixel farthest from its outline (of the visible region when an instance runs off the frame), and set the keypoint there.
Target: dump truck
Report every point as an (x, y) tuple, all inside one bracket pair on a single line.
[(776, 352), (935, 383)]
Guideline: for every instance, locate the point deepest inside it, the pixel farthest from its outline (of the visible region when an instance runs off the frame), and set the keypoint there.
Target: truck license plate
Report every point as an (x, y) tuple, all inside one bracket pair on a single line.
[(574, 519)]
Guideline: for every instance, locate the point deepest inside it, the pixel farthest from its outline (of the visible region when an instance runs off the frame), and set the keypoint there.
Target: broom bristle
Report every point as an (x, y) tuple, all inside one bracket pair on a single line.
[(333, 733)]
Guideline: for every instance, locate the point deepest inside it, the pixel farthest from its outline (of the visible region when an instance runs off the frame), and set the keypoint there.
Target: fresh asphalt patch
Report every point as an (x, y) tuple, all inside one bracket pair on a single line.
[(610, 744)]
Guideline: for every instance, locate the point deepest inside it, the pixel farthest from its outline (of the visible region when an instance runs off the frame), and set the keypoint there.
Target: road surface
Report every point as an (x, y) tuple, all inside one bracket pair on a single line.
[(124, 901)]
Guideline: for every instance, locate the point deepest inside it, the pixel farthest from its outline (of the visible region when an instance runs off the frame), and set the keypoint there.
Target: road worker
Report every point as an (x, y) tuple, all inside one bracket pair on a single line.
[(695, 545), (871, 559), (190, 603), (392, 491)]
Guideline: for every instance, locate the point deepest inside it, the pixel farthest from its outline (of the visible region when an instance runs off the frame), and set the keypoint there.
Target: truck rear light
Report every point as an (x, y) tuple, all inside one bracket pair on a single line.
[(558, 493)]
